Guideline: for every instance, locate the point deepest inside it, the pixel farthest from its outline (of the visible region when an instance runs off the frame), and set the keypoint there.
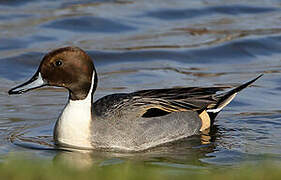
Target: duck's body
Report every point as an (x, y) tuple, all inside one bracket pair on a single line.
[(129, 121), (118, 122)]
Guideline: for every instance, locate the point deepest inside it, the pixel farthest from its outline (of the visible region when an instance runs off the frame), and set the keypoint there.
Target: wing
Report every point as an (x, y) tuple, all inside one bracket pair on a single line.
[(177, 99), (157, 102), (186, 99)]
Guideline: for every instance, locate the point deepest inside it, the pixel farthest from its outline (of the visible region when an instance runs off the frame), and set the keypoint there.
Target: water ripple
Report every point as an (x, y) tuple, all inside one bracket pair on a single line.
[(177, 14), (89, 24)]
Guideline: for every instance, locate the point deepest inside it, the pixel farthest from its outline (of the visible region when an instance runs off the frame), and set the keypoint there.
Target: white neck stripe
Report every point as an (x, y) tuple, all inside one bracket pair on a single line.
[(73, 127), (89, 95)]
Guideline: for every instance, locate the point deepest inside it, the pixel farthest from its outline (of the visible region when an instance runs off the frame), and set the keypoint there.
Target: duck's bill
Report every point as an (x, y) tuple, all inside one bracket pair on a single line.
[(35, 82)]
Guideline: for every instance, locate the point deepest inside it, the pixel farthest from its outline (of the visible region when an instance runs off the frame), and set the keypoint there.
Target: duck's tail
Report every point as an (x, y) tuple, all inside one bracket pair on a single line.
[(225, 98)]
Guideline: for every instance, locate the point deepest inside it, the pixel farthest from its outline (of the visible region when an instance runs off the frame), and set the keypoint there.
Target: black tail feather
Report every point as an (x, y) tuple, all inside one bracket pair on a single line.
[(239, 88), (222, 98)]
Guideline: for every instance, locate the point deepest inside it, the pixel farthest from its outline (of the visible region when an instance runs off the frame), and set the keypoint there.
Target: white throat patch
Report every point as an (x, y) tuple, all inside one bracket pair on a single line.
[(73, 126)]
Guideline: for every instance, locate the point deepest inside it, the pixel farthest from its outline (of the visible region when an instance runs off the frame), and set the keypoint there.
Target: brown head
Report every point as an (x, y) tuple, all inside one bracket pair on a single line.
[(68, 67)]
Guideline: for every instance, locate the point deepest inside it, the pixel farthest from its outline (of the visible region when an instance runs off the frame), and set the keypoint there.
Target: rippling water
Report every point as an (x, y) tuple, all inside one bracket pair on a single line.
[(148, 44)]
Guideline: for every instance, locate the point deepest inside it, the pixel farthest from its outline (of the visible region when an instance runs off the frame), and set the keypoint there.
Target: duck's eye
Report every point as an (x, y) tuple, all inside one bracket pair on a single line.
[(58, 62)]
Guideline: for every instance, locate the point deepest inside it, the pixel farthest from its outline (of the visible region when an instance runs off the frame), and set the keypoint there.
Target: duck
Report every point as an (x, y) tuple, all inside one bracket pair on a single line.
[(134, 121)]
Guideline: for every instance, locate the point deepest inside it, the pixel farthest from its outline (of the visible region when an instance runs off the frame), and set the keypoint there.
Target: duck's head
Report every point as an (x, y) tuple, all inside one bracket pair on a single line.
[(68, 67)]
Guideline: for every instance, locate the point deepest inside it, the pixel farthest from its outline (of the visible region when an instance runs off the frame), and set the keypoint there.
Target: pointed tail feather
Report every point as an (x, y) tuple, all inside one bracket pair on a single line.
[(225, 98)]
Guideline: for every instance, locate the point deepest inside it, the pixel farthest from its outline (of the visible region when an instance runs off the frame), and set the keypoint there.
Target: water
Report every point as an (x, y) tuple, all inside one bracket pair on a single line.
[(148, 44)]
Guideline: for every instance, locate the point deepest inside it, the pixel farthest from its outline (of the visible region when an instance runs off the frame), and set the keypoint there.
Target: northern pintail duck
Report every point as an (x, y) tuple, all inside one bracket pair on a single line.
[(127, 121)]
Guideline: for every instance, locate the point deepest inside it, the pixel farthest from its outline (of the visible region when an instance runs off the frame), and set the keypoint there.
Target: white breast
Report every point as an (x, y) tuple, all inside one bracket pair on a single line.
[(73, 126)]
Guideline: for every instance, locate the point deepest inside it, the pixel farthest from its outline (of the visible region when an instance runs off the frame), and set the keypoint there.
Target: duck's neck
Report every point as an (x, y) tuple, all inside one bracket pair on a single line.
[(73, 128)]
